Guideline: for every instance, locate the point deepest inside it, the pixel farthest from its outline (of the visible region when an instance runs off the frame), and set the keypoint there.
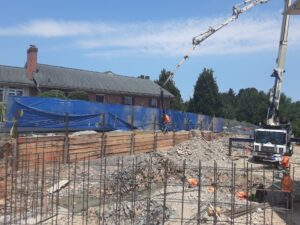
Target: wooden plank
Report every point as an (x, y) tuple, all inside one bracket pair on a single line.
[(162, 142), (40, 150), (118, 142), (142, 144), (94, 145), (149, 138), (22, 140), (117, 150), (117, 145), (78, 151), (83, 140), (141, 136), (39, 145), (86, 140)]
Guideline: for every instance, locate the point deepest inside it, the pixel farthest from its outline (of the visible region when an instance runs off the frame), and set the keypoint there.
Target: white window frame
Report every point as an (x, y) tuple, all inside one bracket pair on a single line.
[(151, 102), (101, 96), (12, 91), (128, 100)]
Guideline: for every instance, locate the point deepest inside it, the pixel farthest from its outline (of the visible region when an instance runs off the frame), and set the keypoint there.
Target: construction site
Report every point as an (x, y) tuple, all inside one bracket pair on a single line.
[(185, 178), (77, 162)]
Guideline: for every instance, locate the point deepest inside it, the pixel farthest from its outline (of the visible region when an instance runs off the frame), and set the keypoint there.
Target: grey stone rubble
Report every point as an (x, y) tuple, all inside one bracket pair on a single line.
[(127, 184)]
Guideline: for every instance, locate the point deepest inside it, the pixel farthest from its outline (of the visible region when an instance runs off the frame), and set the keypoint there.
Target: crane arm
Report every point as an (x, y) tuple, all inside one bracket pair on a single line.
[(278, 73), (197, 40)]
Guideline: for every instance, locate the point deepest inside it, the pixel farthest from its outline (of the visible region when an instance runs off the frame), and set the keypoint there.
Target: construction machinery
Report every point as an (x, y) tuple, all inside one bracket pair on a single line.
[(275, 139)]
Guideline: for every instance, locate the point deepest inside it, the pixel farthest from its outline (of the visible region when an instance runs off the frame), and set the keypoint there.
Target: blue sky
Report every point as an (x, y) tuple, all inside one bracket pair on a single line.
[(137, 37)]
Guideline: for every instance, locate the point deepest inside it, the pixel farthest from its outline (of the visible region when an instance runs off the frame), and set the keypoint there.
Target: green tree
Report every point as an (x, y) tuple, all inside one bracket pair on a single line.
[(206, 98), (177, 103), (228, 100), (53, 94), (290, 110), (252, 105), (79, 95)]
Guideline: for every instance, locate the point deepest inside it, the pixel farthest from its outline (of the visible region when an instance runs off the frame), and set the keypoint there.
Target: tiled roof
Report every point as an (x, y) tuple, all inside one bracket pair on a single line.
[(76, 79), (14, 75)]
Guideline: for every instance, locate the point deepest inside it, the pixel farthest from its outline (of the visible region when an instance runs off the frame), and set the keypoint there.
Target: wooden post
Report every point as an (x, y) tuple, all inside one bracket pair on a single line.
[(66, 144), (154, 124), (173, 133), (230, 146), (132, 118), (132, 142), (154, 141), (104, 145)]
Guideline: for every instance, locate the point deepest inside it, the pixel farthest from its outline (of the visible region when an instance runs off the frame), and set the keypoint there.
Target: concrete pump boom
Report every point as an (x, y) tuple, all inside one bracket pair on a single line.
[(278, 74), (197, 40)]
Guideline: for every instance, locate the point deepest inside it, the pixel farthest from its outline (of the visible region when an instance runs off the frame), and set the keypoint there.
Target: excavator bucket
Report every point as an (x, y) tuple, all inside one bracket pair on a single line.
[(294, 9)]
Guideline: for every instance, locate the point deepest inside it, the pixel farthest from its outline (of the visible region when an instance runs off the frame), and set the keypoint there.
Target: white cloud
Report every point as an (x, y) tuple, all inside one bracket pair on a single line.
[(166, 38), (174, 38), (54, 28)]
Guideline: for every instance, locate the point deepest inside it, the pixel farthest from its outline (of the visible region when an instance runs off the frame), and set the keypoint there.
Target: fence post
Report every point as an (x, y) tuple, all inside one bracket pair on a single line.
[(230, 145), (102, 116), (173, 133), (16, 154), (15, 135), (132, 141), (132, 121), (66, 144), (154, 141), (174, 138)]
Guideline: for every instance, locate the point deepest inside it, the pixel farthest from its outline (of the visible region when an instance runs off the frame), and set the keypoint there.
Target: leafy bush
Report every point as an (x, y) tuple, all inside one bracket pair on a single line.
[(53, 94), (79, 95)]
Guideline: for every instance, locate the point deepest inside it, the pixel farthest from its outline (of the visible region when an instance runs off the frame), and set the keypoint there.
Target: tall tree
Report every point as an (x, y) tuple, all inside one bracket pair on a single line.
[(206, 98), (228, 99), (177, 104), (252, 105)]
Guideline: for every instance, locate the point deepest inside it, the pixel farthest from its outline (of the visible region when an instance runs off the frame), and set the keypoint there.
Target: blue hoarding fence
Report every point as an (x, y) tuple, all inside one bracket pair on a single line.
[(49, 114)]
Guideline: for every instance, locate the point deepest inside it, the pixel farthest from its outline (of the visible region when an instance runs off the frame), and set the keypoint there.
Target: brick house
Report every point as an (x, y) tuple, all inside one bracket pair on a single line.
[(104, 87)]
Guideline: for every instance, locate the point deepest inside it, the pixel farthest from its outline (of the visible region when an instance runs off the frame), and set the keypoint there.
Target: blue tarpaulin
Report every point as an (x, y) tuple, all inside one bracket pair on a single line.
[(48, 114)]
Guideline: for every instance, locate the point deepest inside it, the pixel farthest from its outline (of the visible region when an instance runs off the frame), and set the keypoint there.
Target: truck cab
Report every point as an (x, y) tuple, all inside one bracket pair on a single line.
[(271, 144)]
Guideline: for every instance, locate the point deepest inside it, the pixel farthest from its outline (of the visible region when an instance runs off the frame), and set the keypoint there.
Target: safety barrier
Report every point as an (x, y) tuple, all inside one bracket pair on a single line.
[(52, 114)]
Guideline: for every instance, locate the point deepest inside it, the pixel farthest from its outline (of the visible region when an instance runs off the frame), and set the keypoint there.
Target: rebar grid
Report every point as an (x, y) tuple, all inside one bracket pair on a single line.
[(144, 189)]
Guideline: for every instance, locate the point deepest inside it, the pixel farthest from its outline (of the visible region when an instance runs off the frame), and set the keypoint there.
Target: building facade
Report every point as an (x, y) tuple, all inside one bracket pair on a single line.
[(102, 87)]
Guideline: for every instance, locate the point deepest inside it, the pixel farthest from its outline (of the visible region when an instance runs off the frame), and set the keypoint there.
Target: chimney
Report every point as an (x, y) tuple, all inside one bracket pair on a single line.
[(31, 65)]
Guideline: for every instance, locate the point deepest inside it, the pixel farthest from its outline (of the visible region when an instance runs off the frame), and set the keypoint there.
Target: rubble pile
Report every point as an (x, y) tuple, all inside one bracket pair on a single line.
[(146, 188)]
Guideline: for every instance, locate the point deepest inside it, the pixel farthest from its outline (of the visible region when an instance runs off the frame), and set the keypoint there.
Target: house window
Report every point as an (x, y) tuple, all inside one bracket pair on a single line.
[(153, 102), (1, 94), (15, 91), (100, 98), (128, 100)]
